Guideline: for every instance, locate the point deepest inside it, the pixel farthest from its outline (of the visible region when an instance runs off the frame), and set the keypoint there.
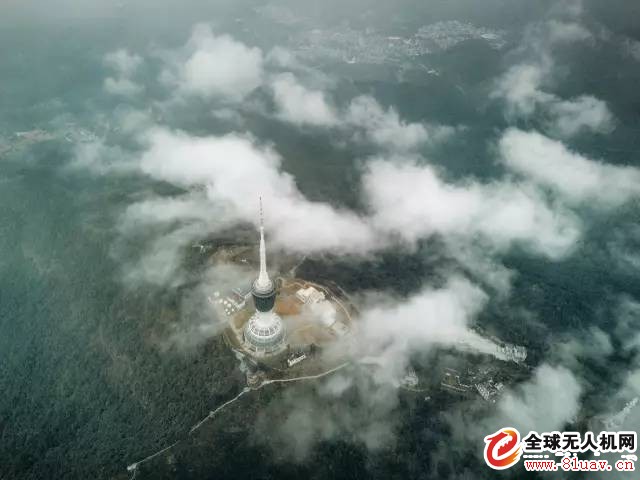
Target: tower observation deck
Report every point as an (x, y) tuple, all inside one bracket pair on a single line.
[(264, 333)]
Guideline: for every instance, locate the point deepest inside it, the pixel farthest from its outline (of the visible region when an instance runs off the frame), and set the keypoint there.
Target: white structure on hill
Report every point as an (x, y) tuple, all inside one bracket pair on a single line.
[(309, 295), (264, 333)]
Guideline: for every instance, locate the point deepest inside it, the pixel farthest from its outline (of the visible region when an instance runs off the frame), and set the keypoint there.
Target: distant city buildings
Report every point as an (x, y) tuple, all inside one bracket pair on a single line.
[(346, 44), (70, 132)]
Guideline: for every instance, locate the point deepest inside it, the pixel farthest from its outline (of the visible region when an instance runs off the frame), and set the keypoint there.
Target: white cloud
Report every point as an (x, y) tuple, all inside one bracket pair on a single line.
[(566, 32), (389, 331), (544, 403), (122, 86), (216, 66), (622, 246), (305, 415), (413, 202), (621, 411), (300, 105), (101, 159), (125, 65), (130, 121), (235, 171), (385, 128), (165, 211), (569, 117), (522, 86), (283, 58), (198, 321), (220, 67), (632, 48), (433, 317), (123, 62), (406, 203), (484, 266), (628, 325), (579, 179), (571, 9), (593, 344), (161, 261)]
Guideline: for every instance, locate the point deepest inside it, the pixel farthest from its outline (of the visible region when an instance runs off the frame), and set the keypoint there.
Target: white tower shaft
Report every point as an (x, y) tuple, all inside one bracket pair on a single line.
[(263, 282)]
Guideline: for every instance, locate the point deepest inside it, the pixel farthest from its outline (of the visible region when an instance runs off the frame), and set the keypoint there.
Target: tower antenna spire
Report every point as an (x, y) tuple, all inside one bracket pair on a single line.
[(261, 215), (263, 282)]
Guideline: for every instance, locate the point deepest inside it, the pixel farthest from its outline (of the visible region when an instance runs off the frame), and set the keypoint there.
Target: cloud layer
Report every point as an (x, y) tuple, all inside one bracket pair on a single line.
[(577, 178), (525, 86), (125, 65), (413, 202), (214, 66), (534, 204)]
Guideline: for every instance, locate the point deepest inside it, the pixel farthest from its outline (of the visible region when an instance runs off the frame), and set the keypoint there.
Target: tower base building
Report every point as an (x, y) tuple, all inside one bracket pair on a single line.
[(264, 334)]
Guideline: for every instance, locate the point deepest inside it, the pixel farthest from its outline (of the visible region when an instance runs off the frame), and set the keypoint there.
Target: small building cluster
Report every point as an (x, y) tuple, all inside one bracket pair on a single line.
[(323, 309), (453, 382), (410, 379), (514, 353), (231, 303), (489, 390), (310, 295)]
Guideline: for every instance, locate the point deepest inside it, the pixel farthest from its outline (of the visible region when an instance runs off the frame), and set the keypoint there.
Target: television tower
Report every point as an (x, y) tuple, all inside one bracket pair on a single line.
[(264, 333)]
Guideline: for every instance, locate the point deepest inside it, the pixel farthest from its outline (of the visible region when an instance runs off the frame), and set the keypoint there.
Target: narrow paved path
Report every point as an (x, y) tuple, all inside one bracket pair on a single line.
[(134, 466)]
